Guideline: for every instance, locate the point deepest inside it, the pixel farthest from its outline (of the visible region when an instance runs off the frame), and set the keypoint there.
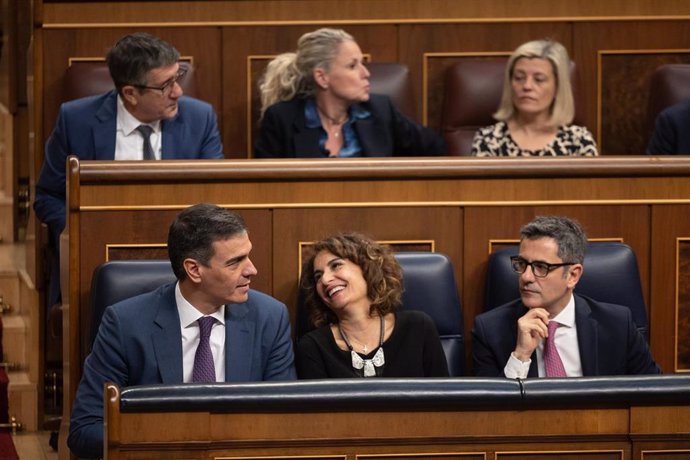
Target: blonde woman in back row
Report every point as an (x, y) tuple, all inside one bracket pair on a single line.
[(316, 103), (537, 108)]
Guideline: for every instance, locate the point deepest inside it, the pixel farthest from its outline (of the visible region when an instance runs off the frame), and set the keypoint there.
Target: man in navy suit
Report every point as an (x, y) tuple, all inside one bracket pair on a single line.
[(671, 134), (155, 337), (591, 338), (146, 73)]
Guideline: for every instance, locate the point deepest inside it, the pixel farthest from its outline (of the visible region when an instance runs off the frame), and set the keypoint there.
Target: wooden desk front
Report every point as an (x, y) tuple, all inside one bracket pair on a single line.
[(463, 207)]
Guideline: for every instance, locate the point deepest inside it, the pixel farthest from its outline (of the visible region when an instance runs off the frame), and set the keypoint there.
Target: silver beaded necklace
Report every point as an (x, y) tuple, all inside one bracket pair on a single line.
[(358, 362)]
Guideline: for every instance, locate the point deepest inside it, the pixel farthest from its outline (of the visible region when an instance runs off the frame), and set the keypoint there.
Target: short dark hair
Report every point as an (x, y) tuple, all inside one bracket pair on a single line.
[(571, 239), (134, 55), (194, 231), (381, 271)]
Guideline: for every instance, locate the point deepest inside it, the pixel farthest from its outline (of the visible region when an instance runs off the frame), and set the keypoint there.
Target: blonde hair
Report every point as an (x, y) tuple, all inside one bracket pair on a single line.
[(292, 74), (563, 106)]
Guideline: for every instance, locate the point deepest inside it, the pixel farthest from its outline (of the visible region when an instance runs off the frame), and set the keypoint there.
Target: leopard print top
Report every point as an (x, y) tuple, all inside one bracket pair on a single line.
[(495, 140)]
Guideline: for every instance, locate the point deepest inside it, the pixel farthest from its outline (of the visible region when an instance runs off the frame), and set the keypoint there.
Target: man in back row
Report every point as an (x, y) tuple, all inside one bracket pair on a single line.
[(549, 331), (207, 327), (144, 118)]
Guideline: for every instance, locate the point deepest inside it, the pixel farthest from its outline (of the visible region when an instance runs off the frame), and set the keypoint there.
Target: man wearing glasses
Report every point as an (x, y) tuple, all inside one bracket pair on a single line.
[(549, 331), (144, 118)]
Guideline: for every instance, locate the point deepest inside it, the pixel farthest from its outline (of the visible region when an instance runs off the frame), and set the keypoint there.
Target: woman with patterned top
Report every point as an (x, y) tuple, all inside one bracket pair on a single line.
[(537, 108)]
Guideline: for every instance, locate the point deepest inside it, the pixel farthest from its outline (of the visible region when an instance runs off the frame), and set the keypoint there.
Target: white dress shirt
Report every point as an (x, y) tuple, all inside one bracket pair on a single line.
[(566, 344), (190, 337), (129, 143)]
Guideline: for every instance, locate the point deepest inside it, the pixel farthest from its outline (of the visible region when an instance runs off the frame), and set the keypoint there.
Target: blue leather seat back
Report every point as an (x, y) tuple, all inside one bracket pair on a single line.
[(121, 279), (429, 286), (610, 275)]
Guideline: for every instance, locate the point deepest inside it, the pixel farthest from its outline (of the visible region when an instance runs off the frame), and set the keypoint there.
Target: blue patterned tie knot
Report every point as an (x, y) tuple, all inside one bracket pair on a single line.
[(204, 370)]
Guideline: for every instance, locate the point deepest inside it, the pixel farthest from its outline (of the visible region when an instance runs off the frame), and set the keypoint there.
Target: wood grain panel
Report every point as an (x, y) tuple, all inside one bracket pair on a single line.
[(624, 126), (60, 11), (591, 38), (295, 226), (668, 223)]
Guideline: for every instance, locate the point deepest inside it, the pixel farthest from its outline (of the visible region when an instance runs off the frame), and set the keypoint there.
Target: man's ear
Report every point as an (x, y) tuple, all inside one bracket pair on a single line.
[(128, 94), (193, 270), (574, 275), (321, 78)]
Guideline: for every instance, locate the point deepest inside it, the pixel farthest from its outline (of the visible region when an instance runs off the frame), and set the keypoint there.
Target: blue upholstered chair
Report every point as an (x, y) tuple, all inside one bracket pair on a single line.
[(429, 286), (610, 275), (121, 279)]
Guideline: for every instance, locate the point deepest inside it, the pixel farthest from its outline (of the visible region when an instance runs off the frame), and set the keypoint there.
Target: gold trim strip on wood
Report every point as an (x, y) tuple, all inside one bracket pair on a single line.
[(425, 71), (396, 204), (108, 246), (421, 454), (551, 452), (73, 59), (355, 22)]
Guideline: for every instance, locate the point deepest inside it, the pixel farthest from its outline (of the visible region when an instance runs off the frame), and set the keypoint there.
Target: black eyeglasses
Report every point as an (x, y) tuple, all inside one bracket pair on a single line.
[(167, 87), (540, 269)]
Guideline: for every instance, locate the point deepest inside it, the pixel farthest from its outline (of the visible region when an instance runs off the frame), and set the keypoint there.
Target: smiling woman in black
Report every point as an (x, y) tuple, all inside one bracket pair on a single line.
[(353, 288)]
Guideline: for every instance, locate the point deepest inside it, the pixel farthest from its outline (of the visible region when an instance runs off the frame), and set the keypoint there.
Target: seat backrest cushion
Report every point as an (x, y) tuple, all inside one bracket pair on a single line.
[(119, 280), (89, 78), (610, 275), (393, 80)]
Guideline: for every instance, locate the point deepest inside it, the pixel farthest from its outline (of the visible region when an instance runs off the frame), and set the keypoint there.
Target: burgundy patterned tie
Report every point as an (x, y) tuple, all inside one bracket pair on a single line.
[(204, 371), (552, 360)]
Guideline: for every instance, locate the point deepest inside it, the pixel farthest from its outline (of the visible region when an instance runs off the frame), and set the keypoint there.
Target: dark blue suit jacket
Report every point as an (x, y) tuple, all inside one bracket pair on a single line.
[(609, 341), (386, 133), (671, 131), (139, 342), (87, 127)]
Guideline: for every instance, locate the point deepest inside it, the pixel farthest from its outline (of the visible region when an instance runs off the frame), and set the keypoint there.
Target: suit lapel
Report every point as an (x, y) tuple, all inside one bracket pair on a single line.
[(586, 337), (307, 142), (172, 138), (166, 339), (239, 339), (370, 137), (104, 132)]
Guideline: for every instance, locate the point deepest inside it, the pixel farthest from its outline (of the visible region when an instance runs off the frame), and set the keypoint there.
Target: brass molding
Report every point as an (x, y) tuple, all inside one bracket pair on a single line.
[(389, 204), (356, 22), (109, 246), (538, 453), (425, 71), (73, 59), (493, 241)]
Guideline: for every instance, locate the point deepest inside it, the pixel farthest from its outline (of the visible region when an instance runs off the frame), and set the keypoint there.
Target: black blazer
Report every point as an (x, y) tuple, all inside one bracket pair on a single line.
[(386, 133), (671, 133), (609, 341)]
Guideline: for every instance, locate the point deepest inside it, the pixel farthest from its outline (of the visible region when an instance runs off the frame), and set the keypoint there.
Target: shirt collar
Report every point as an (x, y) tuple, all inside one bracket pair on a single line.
[(312, 119), (127, 123), (189, 314), (567, 316)]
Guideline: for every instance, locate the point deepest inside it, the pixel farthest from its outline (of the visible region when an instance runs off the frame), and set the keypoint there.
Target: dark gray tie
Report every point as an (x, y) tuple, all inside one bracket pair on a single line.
[(146, 131), (204, 370)]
